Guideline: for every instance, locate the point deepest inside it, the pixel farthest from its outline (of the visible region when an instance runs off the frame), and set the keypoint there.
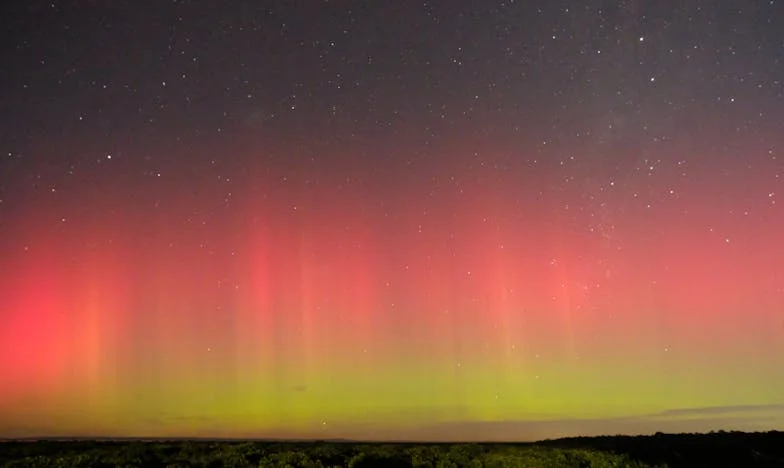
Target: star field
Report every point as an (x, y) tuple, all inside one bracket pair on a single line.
[(416, 219)]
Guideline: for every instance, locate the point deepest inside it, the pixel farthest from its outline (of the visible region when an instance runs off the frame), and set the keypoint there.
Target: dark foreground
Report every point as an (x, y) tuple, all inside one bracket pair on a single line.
[(721, 449)]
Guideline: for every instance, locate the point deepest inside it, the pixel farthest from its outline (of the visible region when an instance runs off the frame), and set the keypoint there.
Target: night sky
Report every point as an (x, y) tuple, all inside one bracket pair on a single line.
[(462, 219)]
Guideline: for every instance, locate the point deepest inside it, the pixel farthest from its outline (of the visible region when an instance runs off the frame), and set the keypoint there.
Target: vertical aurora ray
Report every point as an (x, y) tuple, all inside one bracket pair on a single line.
[(35, 341), (96, 330)]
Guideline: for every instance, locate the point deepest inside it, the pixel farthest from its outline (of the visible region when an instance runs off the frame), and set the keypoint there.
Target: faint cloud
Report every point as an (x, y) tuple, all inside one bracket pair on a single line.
[(749, 418), (190, 419), (154, 423), (724, 410)]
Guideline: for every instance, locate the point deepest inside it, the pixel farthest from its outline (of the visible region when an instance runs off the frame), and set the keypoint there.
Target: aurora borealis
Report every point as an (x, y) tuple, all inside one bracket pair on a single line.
[(416, 220)]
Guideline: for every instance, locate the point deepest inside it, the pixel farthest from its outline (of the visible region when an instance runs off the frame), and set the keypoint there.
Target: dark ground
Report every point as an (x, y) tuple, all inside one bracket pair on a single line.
[(718, 449)]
